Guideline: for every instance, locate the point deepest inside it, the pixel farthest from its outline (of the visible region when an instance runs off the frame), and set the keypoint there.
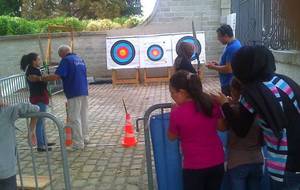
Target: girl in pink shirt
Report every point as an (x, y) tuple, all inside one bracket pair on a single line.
[(194, 121)]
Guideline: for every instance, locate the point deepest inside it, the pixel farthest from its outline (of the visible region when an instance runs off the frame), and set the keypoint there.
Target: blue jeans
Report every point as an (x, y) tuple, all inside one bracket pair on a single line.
[(224, 138), (40, 127), (9, 183), (246, 177), (291, 182)]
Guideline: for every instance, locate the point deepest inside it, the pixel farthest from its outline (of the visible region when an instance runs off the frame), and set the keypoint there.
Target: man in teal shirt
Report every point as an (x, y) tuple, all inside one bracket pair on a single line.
[(225, 36)]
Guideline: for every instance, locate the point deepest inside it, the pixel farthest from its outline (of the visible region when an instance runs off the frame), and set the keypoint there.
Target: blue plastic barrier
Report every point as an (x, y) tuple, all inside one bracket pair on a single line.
[(167, 155)]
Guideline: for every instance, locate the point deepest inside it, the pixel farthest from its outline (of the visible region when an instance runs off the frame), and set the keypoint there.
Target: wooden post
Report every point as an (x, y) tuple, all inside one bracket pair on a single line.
[(133, 80), (49, 47), (149, 79)]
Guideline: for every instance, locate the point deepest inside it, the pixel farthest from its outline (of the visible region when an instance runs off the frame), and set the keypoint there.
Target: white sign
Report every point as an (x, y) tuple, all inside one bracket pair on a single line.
[(231, 20)]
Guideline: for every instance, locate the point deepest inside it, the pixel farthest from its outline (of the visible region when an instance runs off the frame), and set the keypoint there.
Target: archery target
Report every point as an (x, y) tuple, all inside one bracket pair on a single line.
[(122, 53), (191, 40), (155, 51), (199, 45)]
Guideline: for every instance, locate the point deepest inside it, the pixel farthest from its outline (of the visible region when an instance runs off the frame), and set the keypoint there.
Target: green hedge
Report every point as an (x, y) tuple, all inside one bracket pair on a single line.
[(18, 26)]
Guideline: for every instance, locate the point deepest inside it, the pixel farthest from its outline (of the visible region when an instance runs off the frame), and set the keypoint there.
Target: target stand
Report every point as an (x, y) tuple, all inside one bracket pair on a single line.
[(156, 63), (117, 80), (124, 60), (154, 79)]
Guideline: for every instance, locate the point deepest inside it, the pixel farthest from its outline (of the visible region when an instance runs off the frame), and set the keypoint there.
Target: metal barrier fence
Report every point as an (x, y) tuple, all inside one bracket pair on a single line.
[(60, 127), (14, 89), (147, 137)]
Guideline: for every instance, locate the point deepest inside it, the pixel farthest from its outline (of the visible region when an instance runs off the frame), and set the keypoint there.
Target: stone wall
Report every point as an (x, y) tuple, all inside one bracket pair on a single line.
[(288, 63), (91, 46)]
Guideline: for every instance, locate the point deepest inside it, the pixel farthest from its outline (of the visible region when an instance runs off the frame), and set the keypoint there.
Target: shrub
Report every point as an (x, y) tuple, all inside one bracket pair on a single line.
[(120, 20), (3, 25), (93, 25), (17, 26), (105, 24), (132, 22), (116, 25), (75, 23)]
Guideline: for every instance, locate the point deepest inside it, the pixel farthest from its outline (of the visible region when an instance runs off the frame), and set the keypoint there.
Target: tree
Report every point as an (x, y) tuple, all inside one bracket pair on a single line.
[(133, 7), (39, 9), (10, 7), (82, 9)]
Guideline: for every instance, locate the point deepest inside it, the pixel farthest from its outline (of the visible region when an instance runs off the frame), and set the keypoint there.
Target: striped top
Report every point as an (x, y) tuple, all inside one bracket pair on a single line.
[(277, 148)]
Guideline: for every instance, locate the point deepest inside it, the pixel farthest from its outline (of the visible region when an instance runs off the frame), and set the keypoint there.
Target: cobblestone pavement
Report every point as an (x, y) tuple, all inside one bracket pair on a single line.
[(104, 164)]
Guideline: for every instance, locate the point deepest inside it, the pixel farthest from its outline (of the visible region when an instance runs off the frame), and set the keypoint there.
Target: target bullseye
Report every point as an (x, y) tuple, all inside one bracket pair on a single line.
[(155, 52), (122, 52)]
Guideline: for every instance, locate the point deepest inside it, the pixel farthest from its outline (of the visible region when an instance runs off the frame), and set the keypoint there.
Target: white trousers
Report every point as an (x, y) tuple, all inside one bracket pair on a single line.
[(78, 111)]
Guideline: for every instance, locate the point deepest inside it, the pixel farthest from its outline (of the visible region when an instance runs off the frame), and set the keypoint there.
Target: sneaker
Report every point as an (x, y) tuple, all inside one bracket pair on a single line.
[(78, 147), (51, 144), (87, 141), (44, 149)]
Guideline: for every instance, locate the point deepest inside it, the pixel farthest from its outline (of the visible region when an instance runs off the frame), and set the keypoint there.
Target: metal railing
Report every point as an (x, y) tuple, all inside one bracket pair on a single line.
[(14, 89), (275, 32), (60, 127), (261, 22)]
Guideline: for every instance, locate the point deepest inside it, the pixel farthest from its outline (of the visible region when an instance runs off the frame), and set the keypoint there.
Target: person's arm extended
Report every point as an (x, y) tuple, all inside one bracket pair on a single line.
[(51, 77), (36, 78), (23, 108), (173, 128), (225, 69), (239, 120)]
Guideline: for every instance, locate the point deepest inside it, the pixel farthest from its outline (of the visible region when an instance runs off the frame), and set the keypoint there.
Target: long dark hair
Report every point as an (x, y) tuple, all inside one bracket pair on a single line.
[(253, 64), (184, 52), (192, 84), (27, 60)]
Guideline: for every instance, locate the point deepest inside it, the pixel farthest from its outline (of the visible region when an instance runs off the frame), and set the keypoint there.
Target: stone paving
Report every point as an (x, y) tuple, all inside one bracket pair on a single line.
[(104, 163)]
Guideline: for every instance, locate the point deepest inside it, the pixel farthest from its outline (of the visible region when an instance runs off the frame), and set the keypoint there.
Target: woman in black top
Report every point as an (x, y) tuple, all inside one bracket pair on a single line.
[(30, 64), (183, 59)]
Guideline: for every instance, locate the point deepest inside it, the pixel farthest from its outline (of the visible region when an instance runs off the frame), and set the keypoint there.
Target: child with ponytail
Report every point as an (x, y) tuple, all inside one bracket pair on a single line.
[(30, 64), (194, 121)]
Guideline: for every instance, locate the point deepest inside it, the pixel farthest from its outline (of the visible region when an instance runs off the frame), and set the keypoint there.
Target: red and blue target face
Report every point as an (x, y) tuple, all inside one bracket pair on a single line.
[(122, 52), (155, 52), (192, 40)]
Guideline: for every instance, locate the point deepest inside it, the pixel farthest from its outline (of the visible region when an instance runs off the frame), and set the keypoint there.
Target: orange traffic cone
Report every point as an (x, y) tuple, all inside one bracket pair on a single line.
[(129, 139), (68, 130)]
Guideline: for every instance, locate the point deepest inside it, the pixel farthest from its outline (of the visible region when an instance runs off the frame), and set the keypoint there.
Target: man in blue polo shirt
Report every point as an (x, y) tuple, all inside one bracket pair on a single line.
[(72, 71), (225, 36)]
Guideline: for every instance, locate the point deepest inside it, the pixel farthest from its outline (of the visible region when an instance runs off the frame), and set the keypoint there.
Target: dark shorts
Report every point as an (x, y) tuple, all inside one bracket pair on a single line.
[(8, 183), (203, 179)]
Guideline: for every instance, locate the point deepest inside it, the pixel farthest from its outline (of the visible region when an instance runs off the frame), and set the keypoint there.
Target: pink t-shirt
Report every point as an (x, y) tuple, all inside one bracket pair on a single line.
[(200, 143)]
